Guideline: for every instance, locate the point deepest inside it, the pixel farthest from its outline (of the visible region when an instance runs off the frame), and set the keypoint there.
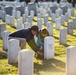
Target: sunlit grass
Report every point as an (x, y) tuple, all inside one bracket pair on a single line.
[(54, 66)]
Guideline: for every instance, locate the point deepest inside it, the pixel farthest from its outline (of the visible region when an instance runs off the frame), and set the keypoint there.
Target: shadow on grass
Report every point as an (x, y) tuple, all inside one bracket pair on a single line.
[(64, 26), (34, 20), (14, 64), (49, 20), (74, 35), (3, 57), (66, 45), (52, 65), (56, 37), (13, 27), (68, 40)]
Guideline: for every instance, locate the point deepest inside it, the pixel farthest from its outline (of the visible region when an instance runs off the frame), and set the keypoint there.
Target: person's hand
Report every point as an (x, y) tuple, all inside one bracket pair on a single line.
[(40, 54)]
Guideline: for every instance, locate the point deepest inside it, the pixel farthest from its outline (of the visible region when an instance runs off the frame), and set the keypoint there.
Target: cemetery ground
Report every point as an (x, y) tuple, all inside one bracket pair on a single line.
[(56, 66)]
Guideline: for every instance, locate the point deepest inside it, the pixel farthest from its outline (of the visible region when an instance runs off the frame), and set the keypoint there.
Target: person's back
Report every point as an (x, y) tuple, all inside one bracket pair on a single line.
[(23, 33)]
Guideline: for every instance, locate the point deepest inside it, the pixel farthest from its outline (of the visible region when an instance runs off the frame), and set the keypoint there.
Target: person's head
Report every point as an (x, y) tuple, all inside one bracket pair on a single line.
[(34, 30), (44, 32)]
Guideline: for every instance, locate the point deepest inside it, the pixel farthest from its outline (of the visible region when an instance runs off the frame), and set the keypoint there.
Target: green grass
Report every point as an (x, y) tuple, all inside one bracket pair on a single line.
[(54, 66)]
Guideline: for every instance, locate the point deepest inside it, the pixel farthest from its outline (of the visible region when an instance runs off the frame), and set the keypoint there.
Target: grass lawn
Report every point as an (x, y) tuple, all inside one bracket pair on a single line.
[(54, 66)]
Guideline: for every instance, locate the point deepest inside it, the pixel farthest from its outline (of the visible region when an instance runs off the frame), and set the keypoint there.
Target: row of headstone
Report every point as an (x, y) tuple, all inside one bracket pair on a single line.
[(53, 17), (13, 44), (69, 27), (15, 55), (63, 31), (32, 6), (63, 9), (8, 9), (51, 4), (11, 20), (12, 3)]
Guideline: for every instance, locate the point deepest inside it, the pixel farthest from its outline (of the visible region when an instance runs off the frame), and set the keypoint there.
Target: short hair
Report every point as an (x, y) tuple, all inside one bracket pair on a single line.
[(44, 31), (34, 28)]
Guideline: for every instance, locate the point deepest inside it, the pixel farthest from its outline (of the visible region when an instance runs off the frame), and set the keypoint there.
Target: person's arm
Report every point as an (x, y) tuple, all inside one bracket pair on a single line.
[(40, 54)]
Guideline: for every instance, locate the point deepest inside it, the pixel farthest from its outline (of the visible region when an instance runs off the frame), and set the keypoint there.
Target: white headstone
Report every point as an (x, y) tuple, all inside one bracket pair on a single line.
[(5, 35), (63, 36), (44, 12), (45, 19), (7, 19), (61, 12), (39, 23), (58, 23), (19, 24), (2, 28), (72, 11), (3, 15), (66, 16), (18, 14), (38, 11), (30, 20), (74, 23), (12, 21), (53, 17), (27, 25), (0, 13), (14, 13), (24, 18), (32, 14), (50, 28), (70, 28), (57, 13), (62, 19), (13, 49), (69, 12), (25, 62), (48, 47), (41, 10), (71, 60), (38, 15), (49, 12), (26, 12)]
